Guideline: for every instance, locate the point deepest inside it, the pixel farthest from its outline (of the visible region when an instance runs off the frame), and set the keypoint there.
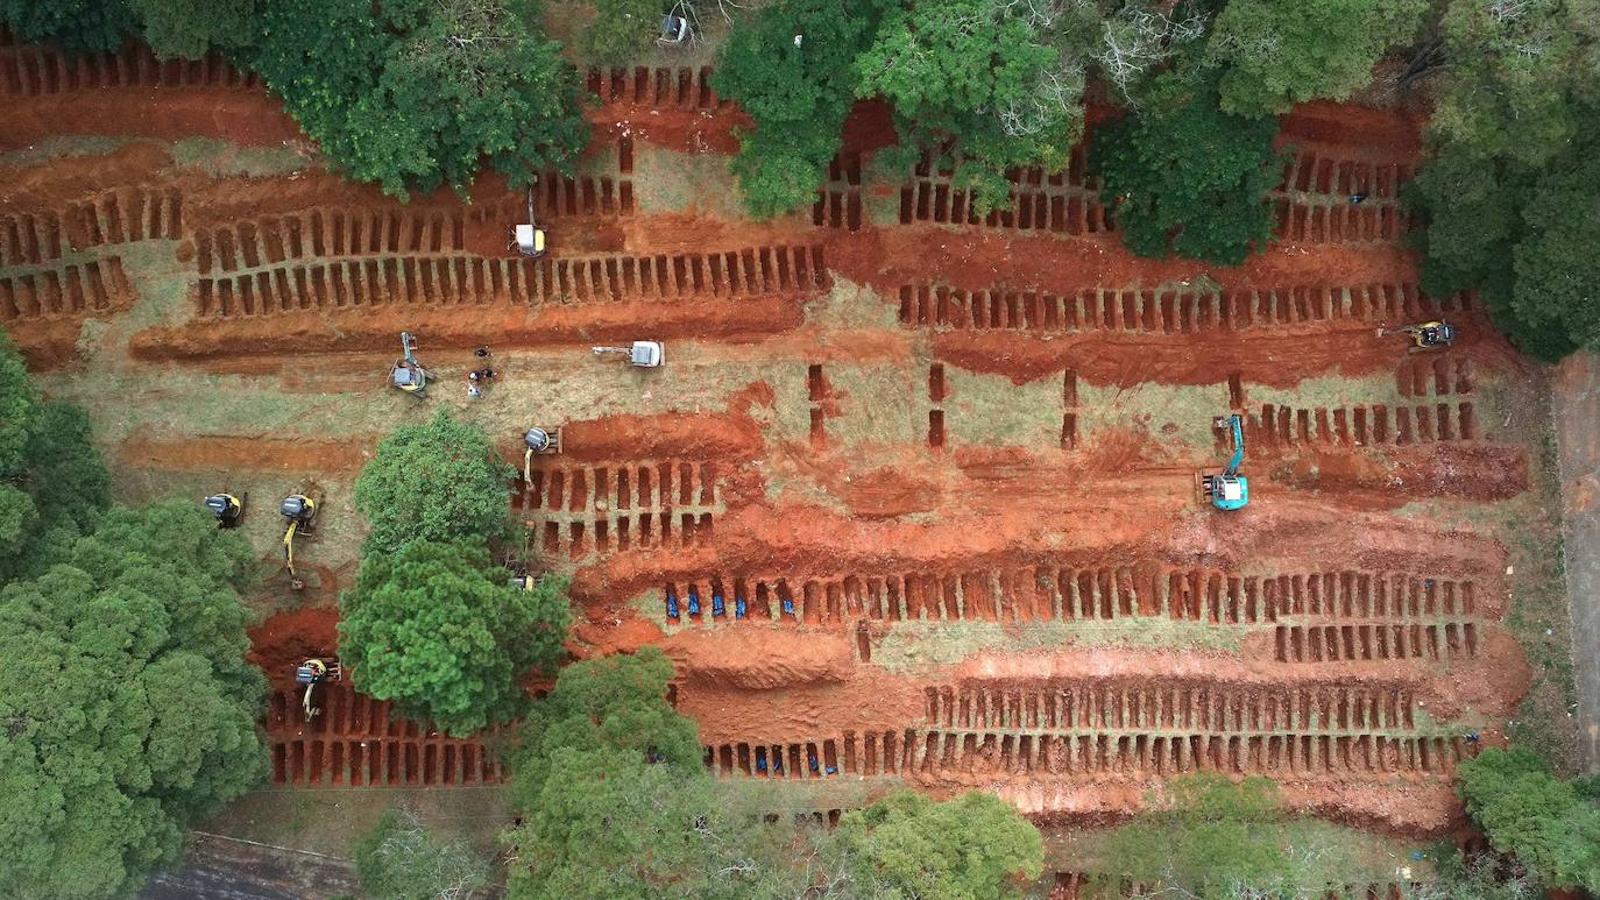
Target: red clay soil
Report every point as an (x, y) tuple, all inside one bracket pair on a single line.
[(253, 454), (1110, 508), (287, 639)]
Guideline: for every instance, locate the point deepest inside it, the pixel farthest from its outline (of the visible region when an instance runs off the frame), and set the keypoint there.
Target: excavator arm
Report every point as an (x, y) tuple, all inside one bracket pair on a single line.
[(1236, 423)]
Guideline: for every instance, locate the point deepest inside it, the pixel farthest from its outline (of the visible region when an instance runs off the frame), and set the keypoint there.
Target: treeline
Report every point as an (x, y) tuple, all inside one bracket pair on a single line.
[(413, 94), (410, 94)]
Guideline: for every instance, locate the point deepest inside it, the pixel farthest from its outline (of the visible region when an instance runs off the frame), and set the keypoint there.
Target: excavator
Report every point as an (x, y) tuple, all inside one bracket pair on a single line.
[(643, 354), (528, 240), (228, 509), (1425, 335), (537, 441), (311, 673), (1228, 490), (301, 512), (408, 375)]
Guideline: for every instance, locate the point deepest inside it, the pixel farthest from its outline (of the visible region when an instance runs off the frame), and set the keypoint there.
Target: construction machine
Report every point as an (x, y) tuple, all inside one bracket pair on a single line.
[(675, 26), (644, 354), (228, 509), (1425, 335), (408, 375), (538, 442), (1228, 490), (311, 673), (301, 513), (528, 239)]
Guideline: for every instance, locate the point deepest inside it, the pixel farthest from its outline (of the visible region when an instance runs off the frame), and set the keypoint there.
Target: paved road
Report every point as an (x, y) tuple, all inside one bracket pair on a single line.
[(217, 868), (1577, 414)]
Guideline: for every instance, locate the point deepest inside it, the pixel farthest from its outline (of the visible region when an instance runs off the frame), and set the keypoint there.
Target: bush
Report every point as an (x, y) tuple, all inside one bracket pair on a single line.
[(622, 28), (438, 629), (1186, 178), (974, 846)]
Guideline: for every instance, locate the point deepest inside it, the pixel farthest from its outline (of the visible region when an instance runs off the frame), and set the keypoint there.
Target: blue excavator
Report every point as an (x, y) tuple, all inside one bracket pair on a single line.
[(1228, 490)]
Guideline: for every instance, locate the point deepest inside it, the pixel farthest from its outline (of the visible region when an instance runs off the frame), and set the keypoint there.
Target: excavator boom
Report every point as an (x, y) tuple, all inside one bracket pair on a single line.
[(1236, 423)]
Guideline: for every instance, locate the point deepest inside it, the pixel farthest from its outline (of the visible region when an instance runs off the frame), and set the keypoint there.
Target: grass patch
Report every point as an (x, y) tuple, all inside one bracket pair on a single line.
[(911, 647), (221, 159)]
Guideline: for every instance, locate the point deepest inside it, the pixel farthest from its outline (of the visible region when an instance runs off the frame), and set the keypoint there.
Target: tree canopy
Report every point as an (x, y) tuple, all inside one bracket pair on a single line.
[(400, 859), (1510, 196), (1529, 813), (1211, 837), (438, 628), (981, 87), (53, 484), (615, 802), (1186, 178), (974, 846), (135, 712), (1281, 52), (413, 94), (435, 482), (798, 96)]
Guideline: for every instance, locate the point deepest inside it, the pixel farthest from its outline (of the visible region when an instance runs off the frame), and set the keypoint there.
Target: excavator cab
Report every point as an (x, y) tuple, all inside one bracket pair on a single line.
[(227, 508), (1228, 490), (301, 512), (528, 239), (643, 354), (408, 375), (311, 673), (1430, 336), (537, 442)]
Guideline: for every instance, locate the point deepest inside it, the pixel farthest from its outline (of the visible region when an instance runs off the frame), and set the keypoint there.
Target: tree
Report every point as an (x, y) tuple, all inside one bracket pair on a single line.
[(1210, 837), (798, 96), (134, 712), (1185, 177), (982, 86), (76, 26), (437, 628), (1509, 196), (974, 846), (1529, 813), (1281, 52), (436, 482), (611, 703), (189, 29), (413, 95), (399, 859), (53, 484)]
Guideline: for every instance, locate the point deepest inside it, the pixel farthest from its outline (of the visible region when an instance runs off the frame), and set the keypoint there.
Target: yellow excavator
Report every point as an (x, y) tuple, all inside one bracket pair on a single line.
[(301, 513), (311, 673), (228, 509)]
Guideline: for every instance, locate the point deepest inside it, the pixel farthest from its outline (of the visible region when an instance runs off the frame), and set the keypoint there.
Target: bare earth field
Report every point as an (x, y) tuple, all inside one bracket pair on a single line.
[(962, 450)]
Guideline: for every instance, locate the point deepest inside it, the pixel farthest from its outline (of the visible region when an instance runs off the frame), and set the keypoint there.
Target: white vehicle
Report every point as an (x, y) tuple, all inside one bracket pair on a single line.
[(644, 354)]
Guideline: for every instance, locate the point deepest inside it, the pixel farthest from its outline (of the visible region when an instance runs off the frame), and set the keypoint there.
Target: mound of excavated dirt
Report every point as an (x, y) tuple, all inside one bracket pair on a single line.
[(761, 658)]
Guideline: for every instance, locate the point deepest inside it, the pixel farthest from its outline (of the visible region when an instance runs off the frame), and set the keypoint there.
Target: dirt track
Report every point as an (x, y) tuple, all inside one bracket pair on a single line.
[(943, 466)]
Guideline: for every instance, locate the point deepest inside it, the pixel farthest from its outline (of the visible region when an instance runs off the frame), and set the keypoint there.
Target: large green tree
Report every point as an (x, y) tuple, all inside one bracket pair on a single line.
[(438, 628), (975, 846), (401, 859), (1281, 52), (1529, 813), (981, 87), (1510, 197), (413, 94), (132, 711), (798, 95), (53, 484), (1186, 178), (436, 482), (77, 26)]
